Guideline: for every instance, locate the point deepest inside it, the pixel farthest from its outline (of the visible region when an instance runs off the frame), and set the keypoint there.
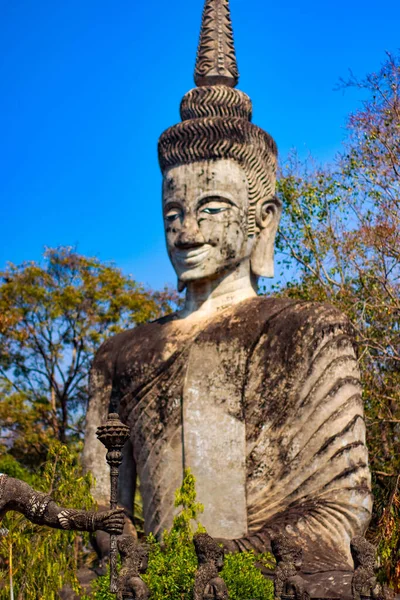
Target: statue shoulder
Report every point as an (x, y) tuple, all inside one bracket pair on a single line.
[(301, 322), (297, 313), (318, 315), (108, 353)]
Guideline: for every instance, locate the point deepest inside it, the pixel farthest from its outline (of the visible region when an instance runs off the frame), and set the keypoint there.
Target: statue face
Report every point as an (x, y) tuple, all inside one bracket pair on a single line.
[(205, 208)]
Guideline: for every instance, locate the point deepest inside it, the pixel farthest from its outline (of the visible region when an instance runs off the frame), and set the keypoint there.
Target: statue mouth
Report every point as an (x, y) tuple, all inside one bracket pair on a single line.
[(191, 256)]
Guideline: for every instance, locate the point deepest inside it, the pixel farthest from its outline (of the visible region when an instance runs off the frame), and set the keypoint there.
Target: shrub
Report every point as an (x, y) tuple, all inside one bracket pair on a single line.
[(173, 564), (37, 561), (244, 580)]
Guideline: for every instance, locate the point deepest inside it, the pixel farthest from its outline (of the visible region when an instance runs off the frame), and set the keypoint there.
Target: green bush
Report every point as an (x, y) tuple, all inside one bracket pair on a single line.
[(244, 580), (101, 589), (37, 561)]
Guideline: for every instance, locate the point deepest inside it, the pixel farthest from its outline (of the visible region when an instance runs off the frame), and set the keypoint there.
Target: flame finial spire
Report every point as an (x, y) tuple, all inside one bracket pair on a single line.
[(216, 59)]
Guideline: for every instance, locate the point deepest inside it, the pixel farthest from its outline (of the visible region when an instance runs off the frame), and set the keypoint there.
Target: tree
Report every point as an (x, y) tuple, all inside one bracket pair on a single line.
[(53, 317), (37, 561), (340, 242)]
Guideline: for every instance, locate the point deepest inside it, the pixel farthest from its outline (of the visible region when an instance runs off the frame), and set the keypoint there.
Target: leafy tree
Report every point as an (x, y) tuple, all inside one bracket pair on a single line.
[(340, 242), (53, 317), (39, 561)]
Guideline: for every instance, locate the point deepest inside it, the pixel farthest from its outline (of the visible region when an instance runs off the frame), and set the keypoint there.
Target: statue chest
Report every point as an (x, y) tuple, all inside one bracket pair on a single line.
[(189, 413), (214, 437)]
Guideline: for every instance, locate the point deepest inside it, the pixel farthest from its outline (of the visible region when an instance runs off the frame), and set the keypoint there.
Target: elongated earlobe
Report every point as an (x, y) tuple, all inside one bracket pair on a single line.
[(181, 286), (268, 214)]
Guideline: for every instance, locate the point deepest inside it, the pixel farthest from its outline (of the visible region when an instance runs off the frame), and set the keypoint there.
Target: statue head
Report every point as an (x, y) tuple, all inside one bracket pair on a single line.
[(219, 170)]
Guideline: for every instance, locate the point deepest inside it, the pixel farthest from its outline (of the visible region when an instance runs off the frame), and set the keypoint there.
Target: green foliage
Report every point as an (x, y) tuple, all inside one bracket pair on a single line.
[(101, 589), (173, 564), (340, 242), (244, 579), (11, 467), (44, 559), (172, 567), (53, 317)]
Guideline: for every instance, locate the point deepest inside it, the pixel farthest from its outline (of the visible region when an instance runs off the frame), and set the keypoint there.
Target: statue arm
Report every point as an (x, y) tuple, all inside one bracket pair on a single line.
[(41, 509), (309, 474), (94, 453)]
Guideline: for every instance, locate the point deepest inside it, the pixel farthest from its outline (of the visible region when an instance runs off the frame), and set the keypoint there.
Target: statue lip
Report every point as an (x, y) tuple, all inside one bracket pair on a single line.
[(191, 256)]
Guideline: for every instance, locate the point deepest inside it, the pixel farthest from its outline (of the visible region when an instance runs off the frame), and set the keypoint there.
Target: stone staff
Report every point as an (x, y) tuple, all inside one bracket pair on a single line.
[(113, 435)]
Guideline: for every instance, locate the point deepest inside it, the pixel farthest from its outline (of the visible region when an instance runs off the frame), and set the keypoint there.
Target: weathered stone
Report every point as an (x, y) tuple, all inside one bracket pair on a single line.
[(364, 583), (216, 59), (208, 584), (261, 397), (134, 558), (289, 559), (41, 509)]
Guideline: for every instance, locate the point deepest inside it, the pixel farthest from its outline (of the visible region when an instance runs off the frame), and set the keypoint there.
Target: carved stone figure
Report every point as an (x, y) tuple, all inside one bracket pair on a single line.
[(208, 584), (260, 396), (289, 558), (134, 557), (41, 509), (364, 583)]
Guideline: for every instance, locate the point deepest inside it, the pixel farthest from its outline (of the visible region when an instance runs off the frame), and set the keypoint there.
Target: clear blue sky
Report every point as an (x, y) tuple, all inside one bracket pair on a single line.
[(87, 87)]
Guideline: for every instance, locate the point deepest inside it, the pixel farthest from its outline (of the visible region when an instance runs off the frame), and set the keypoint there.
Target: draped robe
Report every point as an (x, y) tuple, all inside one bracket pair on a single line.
[(263, 402)]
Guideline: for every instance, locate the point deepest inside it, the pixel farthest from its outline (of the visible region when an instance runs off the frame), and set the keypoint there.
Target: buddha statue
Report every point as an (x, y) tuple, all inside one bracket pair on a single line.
[(259, 396)]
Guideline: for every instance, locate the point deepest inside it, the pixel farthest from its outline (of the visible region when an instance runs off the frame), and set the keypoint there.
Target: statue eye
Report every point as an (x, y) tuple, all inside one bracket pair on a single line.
[(172, 215), (214, 211), (215, 207)]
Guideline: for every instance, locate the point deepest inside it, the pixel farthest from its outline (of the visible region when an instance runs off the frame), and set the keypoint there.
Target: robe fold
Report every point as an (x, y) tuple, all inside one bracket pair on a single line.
[(263, 403)]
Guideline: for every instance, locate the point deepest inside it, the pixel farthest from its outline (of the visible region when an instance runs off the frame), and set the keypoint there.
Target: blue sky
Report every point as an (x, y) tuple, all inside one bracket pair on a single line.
[(88, 86)]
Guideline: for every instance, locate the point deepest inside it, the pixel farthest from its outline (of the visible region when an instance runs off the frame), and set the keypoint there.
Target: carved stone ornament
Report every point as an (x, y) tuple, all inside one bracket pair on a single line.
[(113, 435), (134, 559), (37, 505), (364, 583), (216, 59), (208, 584), (288, 583), (41, 509)]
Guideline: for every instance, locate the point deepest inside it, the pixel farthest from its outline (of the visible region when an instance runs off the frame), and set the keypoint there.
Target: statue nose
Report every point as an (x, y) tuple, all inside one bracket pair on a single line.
[(190, 235)]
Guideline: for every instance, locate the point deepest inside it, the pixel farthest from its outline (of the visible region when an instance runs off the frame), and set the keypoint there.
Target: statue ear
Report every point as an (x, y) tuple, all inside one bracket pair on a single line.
[(268, 215), (181, 286)]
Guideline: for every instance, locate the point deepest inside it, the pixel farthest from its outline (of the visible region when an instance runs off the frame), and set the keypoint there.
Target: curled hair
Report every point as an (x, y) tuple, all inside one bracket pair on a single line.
[(216, 125)]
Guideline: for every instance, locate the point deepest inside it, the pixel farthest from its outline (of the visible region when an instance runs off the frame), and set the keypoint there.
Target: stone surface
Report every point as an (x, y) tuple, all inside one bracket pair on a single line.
[(261, 397), (289, 559), (208, 585), (134, 562), (292, 368), (41, 509), (214, 442), (364, 583), (216, 59)]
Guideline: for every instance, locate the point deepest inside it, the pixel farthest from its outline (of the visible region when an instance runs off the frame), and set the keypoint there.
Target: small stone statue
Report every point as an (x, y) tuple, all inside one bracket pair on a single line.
[(364, 583), (41, 509), (208, 584), (134, 558), (288, 581)]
